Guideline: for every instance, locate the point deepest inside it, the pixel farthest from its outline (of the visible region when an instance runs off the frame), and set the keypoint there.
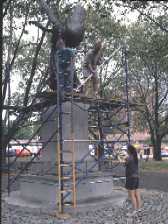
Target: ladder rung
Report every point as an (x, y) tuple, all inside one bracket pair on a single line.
[(66, 177), (93, 126), (66, 190), (68, 203), (65, 164)]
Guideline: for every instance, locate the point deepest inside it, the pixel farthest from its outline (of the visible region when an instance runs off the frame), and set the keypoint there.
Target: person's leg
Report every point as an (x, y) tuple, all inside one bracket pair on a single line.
[(95, 84), (88, 88), (86, 85), (76, 81), (131, 194), (138, 198)]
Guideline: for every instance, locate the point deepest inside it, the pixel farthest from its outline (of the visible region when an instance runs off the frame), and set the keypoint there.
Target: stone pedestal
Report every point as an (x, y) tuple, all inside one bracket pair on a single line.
[(80, 127), (43, 189)]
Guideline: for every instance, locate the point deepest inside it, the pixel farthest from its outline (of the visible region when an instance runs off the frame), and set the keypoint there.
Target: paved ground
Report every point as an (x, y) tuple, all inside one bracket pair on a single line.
[(154, 180), (148, 180), (155, 206), (155, 211), (151, 181)]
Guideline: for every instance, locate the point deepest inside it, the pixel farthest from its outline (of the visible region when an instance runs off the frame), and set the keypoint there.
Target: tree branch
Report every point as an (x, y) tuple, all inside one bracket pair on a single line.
[(163, 98), (34, 65), (7, 7), (40, 26), (150, 18), (9, 66)]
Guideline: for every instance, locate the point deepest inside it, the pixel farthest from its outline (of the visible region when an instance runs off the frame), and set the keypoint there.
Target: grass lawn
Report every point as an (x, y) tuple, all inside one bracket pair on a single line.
[(154, 165)]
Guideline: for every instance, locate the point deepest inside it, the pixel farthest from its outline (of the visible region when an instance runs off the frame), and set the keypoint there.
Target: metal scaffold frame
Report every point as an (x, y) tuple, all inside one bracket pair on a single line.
[(96, 105)]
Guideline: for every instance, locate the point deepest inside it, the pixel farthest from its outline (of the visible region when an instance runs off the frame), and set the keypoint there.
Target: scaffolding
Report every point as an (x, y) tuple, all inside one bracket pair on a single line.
[(100, 111)]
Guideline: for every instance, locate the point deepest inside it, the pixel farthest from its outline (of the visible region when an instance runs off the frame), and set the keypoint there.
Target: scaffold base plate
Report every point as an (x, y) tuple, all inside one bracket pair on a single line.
[(59, 215)]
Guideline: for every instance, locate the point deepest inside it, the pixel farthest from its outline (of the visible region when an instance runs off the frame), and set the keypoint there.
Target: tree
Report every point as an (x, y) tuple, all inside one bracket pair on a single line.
[(29, 53), (27, 56), (149, 78), (155, 12), (1, 59), (103, 24)]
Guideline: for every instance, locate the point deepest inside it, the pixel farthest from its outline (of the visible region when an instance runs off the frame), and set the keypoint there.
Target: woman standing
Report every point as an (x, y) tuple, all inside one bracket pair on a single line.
[(132, 177)]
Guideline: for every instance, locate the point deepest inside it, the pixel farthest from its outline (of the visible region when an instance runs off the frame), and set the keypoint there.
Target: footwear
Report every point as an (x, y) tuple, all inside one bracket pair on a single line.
[(127, 204), (140, 210), (130, 214)]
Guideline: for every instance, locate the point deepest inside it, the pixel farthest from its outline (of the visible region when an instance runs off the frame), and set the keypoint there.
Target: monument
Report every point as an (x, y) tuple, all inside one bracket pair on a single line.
[(44, 187)]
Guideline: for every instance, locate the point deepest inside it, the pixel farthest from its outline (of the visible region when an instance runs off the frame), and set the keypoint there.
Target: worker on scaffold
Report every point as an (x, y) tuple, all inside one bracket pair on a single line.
[(65, 57), (92, 59), (62, 66)]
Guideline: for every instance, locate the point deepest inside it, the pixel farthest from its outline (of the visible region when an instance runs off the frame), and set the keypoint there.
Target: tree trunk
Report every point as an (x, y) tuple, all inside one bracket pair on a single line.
[(33, 69), (2, 156), (157, 150), (3, 152)]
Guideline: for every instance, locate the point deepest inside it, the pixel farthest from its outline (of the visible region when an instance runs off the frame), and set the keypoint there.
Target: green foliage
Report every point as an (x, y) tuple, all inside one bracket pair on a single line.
[(102, 24), (154, 166), (29, 128), (146, 41), (26, 132), (138, 122), (148, 77)]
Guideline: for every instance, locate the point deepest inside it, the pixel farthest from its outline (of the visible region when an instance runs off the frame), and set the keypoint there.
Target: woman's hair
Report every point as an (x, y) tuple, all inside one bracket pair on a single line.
[(132, 151)]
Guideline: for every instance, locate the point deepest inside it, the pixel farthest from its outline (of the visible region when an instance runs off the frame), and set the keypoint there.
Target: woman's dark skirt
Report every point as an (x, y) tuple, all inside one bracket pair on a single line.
[(132, 183)]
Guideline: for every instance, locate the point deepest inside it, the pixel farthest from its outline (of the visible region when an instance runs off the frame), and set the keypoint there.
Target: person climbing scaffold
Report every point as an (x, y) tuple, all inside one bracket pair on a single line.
[(65, 57), (62, 65)]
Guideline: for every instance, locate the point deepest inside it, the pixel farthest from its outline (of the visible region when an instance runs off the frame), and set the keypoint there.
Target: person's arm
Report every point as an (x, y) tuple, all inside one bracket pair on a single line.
[(72, 60), (127, 159), (91, 68), (88, 62), (99, 58)]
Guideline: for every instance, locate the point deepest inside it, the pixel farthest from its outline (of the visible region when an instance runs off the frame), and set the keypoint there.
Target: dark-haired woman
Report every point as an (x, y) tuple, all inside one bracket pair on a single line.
[(132, 177)]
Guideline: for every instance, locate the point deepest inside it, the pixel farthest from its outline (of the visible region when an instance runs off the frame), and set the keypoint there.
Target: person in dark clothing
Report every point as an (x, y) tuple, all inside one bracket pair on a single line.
[(132, 177), (62, 65), (65, 57)]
